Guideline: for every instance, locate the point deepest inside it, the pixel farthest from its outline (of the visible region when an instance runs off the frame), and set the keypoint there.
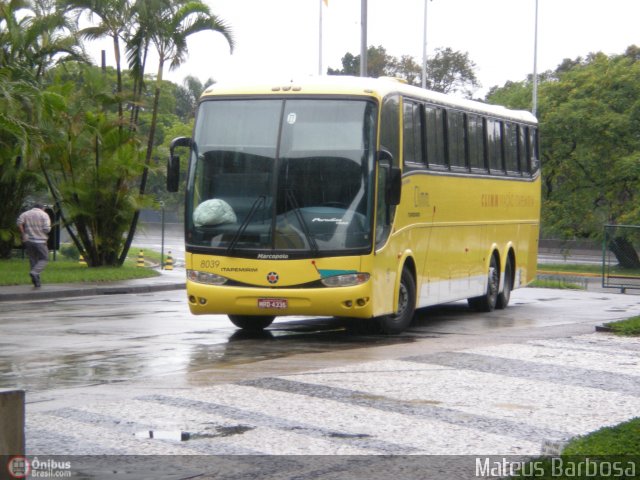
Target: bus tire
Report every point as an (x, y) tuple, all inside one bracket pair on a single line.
[(505, 295), (253, 323), (400, 321), (487, 302)]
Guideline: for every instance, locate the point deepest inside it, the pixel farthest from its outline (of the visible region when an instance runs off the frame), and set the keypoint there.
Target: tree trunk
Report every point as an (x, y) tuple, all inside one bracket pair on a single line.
[(625, 252), (147, 161)]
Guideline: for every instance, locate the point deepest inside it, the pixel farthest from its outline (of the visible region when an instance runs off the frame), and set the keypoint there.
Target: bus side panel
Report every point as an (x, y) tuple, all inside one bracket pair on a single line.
[(452, 224)]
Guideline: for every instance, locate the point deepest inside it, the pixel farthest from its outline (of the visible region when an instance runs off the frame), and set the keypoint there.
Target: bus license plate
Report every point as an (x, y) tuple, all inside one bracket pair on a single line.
[(274, 303)]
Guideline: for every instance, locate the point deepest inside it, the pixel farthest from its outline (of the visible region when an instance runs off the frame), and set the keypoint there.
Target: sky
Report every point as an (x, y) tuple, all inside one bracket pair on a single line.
[(280, 38)]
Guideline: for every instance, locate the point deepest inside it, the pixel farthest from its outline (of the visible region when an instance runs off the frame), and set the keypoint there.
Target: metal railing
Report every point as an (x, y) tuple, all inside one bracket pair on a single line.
[(620, 257)]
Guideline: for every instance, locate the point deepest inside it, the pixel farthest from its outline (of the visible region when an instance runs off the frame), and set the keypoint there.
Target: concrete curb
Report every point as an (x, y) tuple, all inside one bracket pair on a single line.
[(56, 291), (44, 294)]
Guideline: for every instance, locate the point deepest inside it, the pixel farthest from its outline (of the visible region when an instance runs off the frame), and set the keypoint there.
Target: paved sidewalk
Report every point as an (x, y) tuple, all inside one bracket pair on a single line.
[(175, 280), (167, 280)]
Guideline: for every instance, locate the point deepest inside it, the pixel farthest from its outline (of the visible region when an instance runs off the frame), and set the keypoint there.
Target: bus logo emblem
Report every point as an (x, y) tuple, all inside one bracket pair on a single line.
[(272, 277)]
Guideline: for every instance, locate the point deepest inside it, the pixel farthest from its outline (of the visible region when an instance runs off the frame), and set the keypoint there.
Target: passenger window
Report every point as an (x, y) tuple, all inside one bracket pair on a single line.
[(511, 148), (434, 119), (494, 147), (534, 153), (455, 139), (390, 128), (412, 133), (523, 149), (475, 139)]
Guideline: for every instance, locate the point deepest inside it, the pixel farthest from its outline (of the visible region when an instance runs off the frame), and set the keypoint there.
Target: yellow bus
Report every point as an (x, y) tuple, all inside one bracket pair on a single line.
[(355, 197)]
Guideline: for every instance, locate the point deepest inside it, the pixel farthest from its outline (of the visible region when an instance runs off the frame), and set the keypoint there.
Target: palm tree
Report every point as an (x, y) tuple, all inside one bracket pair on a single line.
[(18, 139), (166, 25), (98, 197), (115, 19), (33, 38), (187, 96)]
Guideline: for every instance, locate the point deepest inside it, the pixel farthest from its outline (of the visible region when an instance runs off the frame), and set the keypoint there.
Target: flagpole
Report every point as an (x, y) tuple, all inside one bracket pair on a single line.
[(363, 38), (424, 47), (534, 110), (320, 39)]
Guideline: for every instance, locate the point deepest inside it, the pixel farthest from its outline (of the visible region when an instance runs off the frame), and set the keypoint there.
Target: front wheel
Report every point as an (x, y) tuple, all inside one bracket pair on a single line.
[(252, 323), (399, 321), (487, 302)]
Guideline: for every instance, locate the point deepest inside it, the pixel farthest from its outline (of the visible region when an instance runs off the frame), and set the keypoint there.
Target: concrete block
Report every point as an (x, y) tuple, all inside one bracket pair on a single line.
[(12, 416)]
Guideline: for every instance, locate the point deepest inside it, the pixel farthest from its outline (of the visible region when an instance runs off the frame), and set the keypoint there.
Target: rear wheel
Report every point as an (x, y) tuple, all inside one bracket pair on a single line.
[(399, 321), (487, 302), (505, 295), (251, 322)]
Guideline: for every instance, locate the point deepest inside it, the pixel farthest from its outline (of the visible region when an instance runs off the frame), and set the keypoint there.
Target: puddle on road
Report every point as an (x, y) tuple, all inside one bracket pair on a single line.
[(218, 431), (188, 352), (283, 340)]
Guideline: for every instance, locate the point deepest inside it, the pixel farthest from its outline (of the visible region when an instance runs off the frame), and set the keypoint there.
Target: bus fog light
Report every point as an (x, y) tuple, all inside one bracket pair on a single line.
[(192, 299), (361, 302), (347, 280), (202, 301), (348, 304)]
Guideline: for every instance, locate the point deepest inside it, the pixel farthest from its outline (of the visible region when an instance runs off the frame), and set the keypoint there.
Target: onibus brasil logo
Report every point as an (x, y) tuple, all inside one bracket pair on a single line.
[(22, 467)]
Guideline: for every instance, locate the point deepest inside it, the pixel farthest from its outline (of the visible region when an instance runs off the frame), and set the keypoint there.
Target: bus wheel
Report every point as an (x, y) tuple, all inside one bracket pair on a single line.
[(487, 302), (398, 322), (251, 322), (505, 295)]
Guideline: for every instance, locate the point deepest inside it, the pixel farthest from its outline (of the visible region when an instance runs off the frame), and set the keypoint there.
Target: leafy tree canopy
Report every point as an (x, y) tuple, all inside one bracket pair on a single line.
[(448, 71), (589, 113)]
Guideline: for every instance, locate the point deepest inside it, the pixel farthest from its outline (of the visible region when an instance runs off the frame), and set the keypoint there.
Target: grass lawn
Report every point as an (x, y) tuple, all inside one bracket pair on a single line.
[(629, 327), (16, 272), (611, 452), (573, 268), (559, 284), (621, 439)]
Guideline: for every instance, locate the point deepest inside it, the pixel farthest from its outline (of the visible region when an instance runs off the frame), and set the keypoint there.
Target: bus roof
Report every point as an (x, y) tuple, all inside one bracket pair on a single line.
[(377, 87)]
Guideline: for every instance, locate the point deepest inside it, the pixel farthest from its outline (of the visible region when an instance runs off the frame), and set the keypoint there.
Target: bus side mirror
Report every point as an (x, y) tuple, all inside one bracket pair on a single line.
[(393, 187), (173, 165), (173, 173)]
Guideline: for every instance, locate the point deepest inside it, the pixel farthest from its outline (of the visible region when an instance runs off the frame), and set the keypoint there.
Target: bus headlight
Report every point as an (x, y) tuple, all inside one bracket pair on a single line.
[(205, 277), (347, 280)]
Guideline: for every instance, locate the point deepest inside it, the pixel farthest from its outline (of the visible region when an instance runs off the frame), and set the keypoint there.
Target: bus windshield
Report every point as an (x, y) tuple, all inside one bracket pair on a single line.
[(287, 175)]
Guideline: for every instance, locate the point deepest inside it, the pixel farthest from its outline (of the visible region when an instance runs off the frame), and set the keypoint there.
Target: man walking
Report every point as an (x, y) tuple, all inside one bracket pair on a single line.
[(34, 225)]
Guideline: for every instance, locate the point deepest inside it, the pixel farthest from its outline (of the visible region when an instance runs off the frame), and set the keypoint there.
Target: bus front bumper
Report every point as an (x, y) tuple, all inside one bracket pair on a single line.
[(354, 301)]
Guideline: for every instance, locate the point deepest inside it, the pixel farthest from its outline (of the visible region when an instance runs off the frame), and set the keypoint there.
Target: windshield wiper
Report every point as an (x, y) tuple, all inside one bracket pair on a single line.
[(260, 201), (293, 201)]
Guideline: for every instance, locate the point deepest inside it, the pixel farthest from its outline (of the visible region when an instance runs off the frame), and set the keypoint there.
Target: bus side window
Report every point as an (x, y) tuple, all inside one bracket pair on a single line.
[(456, 140), (534, 153), (389, 141), (390, 128), (510, 140), (494, 147), (475, 138), (523, 149), (412, 144), (434, 123)]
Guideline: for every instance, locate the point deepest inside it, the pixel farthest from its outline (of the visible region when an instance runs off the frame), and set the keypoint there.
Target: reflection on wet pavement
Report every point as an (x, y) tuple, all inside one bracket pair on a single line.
[(127, 338), (285, 339), (120, 344)]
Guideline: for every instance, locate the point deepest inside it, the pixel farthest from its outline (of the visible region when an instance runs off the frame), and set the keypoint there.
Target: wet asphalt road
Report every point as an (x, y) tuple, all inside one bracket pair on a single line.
[(101, 372)]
